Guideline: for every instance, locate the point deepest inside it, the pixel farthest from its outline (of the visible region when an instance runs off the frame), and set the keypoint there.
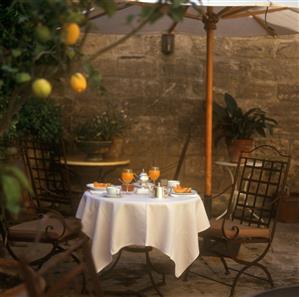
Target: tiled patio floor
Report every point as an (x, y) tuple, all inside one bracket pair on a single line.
[(282, 260)]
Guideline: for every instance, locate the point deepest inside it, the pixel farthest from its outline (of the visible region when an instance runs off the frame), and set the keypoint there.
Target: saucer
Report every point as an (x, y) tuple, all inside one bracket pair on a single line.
[(111, 196)]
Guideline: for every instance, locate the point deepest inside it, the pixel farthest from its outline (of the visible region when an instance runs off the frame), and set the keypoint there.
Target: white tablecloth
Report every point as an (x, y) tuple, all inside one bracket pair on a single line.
[(170, 225)]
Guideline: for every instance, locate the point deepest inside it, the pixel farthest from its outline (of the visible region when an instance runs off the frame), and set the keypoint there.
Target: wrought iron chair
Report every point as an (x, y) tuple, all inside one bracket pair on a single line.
[(49, 228), (253, 207), (38, 222), (35, 284), (49, 175)]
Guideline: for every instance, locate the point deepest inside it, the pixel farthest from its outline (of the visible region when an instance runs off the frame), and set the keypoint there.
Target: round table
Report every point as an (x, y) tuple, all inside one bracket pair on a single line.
[(170, 225), (104, 167)]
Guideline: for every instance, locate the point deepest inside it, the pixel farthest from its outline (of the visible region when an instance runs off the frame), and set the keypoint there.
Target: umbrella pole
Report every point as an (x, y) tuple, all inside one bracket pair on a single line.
[(210, 26)]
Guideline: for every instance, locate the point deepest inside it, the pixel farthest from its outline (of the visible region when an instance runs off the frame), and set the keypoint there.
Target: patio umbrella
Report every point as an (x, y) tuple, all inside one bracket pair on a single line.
[(221, 17)]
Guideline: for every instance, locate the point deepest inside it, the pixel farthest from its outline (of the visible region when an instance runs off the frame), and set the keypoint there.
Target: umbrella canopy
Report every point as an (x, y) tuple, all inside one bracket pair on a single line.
[(226, 18), (235, 18)]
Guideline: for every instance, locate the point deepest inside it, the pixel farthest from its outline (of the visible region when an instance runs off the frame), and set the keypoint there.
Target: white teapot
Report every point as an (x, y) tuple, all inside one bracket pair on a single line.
[(143, 178)]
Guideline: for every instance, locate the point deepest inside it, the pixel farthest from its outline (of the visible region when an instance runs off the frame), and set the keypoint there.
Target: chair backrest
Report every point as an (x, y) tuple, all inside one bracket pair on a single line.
[(48, 174), (259, 181)]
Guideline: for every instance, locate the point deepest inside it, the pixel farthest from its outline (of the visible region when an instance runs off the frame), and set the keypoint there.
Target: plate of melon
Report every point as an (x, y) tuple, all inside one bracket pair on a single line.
[(96, 186)]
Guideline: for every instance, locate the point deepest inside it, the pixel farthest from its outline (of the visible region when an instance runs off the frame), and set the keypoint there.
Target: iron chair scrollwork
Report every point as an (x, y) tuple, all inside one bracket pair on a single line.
[(34, 283), (259, 182), (49, 174), (49, 228), (38, 222)]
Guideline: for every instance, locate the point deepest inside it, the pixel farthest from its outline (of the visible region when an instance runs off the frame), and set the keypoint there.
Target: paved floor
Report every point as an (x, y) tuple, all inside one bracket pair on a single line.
[(282, 260)]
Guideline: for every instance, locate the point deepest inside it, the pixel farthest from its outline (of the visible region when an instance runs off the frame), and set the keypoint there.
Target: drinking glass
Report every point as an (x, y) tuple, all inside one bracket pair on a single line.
[(127, 176), (154, 173)]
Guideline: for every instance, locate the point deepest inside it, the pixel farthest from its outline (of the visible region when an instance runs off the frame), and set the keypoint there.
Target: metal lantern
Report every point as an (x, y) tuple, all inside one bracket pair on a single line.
[(167, 42)]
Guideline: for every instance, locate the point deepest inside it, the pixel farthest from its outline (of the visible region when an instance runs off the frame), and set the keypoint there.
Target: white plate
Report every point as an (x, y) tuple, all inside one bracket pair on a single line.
[(111, 196), (193, 193), (92, 187)]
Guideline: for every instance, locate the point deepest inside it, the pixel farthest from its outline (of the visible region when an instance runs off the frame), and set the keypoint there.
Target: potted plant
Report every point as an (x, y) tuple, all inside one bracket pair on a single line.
[(238, 127), (95, 136)]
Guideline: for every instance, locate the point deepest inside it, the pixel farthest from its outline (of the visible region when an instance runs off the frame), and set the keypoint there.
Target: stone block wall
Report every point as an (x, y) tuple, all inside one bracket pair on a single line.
[(164, 94)]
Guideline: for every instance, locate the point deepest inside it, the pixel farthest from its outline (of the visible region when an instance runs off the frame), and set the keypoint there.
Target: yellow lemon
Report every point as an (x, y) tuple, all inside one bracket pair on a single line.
[(71, 33), (41, 88), (78, 82)]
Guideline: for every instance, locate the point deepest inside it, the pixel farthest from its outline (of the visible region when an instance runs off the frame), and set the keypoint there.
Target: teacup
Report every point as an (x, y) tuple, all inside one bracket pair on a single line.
[(172, 184), (113, 191)]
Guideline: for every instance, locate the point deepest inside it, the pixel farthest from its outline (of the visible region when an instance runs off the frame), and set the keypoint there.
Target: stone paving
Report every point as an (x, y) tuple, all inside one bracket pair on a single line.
[(282, 260)]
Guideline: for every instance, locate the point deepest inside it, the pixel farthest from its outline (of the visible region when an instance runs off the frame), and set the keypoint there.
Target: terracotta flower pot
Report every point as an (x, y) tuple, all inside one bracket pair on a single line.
[(237, 146)]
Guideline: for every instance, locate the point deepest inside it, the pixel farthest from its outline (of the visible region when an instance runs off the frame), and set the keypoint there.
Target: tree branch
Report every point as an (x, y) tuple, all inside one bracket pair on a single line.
[(124, 38)]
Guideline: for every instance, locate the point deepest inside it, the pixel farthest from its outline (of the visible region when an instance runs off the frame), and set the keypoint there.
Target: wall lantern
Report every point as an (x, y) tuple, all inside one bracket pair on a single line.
[(167, 43)]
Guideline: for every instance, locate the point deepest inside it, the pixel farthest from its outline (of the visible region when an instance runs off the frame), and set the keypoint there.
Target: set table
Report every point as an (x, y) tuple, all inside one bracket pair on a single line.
[(170, 225)]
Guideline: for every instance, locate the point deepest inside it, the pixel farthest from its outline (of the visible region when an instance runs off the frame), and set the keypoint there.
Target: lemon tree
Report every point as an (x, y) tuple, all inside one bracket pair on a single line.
[(41, 41)]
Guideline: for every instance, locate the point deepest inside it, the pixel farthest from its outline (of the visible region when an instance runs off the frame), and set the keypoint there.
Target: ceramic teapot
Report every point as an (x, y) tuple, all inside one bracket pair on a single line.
[(143, 178)]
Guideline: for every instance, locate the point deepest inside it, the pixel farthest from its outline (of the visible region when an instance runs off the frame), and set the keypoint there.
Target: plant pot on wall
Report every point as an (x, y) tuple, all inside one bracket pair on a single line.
[(94, 150), (237, 146)]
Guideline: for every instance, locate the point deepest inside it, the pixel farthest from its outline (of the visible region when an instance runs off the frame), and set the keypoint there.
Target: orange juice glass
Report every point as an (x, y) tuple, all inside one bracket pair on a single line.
[(127, 176), (154, 173)]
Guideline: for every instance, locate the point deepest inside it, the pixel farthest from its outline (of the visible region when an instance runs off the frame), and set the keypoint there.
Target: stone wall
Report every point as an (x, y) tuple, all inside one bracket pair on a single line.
[(163, 94)]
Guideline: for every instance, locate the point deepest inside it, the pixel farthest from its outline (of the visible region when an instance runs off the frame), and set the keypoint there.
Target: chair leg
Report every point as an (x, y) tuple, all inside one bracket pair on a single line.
[(225, 265), (266, 271), (112, 266), (77, 260), (186, 274), (242, 271), (150, 268), (38, 262)]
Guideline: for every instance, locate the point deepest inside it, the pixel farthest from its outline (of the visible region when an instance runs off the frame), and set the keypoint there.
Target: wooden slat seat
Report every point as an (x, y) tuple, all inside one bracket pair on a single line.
[(28, 231), (244, 231)]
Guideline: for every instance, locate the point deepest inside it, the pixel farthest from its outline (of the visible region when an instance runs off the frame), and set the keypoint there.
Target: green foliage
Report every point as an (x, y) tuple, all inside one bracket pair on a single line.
[(31, 47), (12, 183), (41, 119), (31, 43), (233, 123)]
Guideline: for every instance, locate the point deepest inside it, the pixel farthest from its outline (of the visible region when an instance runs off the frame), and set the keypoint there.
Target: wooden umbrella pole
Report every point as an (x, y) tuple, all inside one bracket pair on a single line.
[(210, 21)]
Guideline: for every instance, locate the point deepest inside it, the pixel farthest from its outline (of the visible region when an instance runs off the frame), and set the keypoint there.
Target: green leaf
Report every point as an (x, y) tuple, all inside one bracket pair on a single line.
[(16, 52), (21, 177), (130, 18), (108, 6), (231, 103), (12, 191), (9, 68), (177, 13), (22, 77)]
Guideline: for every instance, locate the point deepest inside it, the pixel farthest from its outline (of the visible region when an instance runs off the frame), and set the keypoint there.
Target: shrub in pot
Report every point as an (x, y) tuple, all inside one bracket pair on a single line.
[(97, 134), (239, 127)]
